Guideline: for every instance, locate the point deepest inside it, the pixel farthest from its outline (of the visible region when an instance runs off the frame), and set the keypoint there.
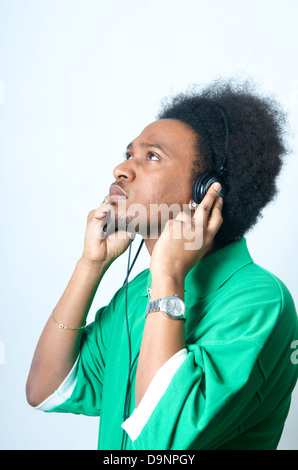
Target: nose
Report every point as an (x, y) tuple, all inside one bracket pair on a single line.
[(124, 171)]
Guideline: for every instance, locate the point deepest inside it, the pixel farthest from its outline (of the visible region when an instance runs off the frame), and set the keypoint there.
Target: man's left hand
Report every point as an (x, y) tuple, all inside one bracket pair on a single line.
[(186, 238)]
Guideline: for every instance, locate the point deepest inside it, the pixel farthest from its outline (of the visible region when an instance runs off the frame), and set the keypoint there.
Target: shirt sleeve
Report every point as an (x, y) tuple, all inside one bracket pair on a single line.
[(237, 363), (135, 423), (62, 393), (81, 391), (192, 413)]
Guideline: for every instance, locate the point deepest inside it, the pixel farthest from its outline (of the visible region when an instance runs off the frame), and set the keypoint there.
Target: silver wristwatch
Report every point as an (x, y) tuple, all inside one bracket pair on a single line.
[(172, 306)]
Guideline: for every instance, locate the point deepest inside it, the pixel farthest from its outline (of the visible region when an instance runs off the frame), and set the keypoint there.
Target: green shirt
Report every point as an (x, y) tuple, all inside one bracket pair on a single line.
[(233, 389)]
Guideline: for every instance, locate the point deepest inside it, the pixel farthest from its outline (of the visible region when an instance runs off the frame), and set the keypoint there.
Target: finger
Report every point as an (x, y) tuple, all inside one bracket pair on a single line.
[(206, 205), (119, 235), (216, 219), (95, 214), (183, 216), (102, 211)]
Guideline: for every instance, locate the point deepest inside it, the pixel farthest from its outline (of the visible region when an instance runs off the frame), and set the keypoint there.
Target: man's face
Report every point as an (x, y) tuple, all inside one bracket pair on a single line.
[(157, 170)]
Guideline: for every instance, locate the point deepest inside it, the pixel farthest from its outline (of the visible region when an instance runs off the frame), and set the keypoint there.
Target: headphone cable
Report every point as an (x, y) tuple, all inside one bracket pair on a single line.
[(129, 268)]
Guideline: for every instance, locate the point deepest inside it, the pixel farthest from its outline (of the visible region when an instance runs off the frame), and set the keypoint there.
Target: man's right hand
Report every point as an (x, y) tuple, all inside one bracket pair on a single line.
[(99, 248), (57, 348)]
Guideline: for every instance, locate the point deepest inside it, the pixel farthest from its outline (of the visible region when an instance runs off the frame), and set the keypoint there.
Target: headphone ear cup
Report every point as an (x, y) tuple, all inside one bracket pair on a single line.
[(203, 183), (198, 189)]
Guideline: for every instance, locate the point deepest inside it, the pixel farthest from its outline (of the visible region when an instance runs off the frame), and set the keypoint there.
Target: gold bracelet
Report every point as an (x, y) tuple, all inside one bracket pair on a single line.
[(66, 327)]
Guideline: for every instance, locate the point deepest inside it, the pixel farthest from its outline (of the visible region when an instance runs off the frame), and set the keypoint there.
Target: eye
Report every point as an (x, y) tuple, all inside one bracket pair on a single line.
[(150, 154)]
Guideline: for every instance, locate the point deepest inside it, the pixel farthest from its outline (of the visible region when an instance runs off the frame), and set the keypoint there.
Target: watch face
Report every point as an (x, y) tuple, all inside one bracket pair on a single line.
[(175, 307)]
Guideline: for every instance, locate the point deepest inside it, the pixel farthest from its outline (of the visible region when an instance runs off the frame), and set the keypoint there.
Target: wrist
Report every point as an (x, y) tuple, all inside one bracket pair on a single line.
[(165, 285), (97, 268)]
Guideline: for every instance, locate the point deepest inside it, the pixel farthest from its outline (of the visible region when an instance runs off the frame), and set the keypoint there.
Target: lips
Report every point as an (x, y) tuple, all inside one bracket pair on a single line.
[(116, 192)]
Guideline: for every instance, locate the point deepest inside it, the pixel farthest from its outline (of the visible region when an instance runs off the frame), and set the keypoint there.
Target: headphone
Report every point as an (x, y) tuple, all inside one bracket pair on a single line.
[(205, 180), (199, 191)]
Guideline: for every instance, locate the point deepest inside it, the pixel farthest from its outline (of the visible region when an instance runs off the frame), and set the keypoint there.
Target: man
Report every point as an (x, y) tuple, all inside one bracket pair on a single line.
[(218, 375)]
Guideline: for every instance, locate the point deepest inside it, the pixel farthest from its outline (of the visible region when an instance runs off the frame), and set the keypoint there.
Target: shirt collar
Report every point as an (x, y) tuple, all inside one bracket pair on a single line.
[(212, 272)]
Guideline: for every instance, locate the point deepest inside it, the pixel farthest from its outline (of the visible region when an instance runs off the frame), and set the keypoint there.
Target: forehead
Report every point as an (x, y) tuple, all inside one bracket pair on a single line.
[(171, 134)]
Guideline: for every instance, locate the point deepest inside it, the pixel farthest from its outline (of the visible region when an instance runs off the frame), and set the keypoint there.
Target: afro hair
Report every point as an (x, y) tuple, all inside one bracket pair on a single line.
[(253, 152)]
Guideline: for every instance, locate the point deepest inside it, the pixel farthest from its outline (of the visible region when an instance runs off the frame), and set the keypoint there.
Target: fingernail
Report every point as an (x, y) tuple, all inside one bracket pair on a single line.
[(217, 187), (220, 200)]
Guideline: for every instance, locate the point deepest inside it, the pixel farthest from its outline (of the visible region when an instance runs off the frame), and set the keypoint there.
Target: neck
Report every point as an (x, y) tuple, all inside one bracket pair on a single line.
[(150, 244)]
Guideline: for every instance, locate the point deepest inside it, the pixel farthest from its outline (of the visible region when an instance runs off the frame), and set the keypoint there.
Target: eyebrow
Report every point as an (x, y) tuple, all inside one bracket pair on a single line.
[(146, 145)]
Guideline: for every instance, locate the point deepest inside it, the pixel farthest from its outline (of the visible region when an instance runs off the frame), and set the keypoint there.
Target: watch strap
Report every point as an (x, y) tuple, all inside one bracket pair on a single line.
[(158, 305), (153, 306)]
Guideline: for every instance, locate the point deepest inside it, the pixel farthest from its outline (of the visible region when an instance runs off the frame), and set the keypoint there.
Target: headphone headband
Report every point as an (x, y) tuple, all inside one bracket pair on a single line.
[(205, 180), (223, 167)]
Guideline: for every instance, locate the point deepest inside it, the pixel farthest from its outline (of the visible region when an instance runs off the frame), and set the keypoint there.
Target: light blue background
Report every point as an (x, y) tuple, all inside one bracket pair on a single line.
[(79, 79)]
